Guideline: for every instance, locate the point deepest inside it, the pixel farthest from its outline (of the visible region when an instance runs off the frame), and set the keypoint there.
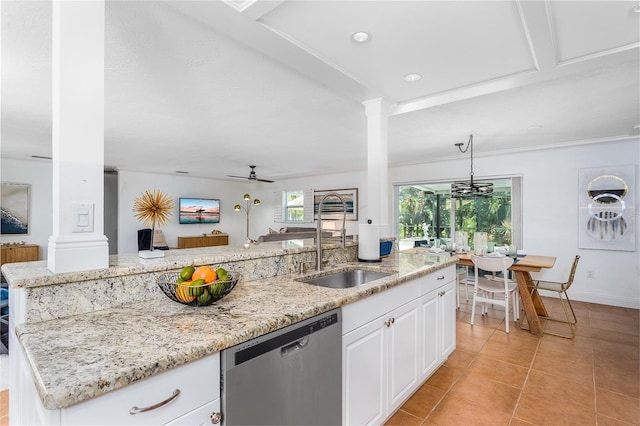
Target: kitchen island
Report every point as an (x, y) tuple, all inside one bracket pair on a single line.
[(79, 356)]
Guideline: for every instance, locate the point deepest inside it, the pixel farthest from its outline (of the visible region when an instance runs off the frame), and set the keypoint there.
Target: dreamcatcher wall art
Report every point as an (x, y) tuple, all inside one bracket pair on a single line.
[(607, 208)]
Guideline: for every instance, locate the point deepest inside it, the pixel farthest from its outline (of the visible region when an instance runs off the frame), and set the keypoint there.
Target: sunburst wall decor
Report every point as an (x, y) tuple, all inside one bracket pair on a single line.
[(153, 209)]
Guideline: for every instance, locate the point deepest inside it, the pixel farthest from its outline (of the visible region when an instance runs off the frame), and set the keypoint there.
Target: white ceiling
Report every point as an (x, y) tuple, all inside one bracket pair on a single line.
[(210, 87)]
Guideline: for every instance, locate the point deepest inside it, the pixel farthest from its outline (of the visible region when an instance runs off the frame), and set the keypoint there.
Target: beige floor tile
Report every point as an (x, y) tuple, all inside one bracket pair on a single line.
[(509, 351), (500, 371), (619, 327), (620, 376), (445, 377), (578, 349), (460, 359), (402, 418), (518, 422), (486, 393), (615, 337), (458, 411), (579, 371), (609, 421), (617, 406), (423, 401)]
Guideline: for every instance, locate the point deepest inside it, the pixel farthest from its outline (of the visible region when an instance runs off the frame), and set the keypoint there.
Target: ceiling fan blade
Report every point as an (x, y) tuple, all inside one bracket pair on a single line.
[(264, 180), (239, 177)]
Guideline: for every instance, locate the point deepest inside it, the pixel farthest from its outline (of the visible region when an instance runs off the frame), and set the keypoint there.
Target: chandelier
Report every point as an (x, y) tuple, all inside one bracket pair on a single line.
[(470, 189)]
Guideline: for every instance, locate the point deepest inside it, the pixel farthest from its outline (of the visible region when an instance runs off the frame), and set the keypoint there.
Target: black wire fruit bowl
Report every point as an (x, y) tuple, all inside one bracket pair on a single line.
[(189, 294)]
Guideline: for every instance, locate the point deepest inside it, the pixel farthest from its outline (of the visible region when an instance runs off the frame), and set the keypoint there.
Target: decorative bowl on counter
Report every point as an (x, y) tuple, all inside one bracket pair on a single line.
[(189, 294)]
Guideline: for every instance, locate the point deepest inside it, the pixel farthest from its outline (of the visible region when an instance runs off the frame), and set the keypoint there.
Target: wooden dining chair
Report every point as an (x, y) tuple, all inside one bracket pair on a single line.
[(561, 289), (485, 289)]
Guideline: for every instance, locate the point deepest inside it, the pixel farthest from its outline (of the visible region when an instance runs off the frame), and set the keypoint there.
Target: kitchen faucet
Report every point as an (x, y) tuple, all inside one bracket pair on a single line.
[(343, 231)]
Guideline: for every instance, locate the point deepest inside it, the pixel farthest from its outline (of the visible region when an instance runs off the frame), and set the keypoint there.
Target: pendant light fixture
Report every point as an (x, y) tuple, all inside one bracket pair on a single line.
[(470, 189)]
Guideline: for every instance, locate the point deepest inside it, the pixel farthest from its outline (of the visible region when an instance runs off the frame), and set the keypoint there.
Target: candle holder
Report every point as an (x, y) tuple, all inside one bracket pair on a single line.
[(247, 210)]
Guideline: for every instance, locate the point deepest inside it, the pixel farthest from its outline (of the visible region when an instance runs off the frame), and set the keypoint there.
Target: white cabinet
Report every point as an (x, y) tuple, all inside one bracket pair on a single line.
[(363, 371), (438, 339), (198, 397), (403, 336), (380, 362), (392, 342), (379, 353), (174, 393)]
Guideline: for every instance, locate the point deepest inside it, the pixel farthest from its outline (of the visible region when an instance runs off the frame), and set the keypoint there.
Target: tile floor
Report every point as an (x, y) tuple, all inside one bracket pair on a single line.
[(517, 379), (494, 378)]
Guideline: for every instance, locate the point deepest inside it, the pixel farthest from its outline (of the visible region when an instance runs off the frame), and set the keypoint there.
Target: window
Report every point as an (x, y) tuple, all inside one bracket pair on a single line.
[(294, 206), (426, 211)]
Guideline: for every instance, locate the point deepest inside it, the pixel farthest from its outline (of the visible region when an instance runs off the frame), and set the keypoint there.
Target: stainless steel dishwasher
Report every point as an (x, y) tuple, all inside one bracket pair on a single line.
[(291, 376)]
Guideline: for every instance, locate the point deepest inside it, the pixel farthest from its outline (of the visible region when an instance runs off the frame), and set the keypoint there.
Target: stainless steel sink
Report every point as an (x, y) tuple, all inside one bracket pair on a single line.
[(345, 279)]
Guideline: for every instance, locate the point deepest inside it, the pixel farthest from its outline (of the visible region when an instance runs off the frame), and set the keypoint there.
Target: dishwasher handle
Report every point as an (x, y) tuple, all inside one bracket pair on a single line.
[(294, 347)]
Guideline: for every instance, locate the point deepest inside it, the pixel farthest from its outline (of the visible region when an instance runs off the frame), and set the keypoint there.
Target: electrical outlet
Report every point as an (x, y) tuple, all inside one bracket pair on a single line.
[(591, 274)]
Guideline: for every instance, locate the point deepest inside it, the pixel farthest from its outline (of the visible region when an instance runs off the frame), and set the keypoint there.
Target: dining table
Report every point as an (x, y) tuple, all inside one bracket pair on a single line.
[(531, 301)]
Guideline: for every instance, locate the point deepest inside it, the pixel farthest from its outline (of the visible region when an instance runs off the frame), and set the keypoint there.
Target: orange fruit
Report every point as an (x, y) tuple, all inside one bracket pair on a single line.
[(206, 273)]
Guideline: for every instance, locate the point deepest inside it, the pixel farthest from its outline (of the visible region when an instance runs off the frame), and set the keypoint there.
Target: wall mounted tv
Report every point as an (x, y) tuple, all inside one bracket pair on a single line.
[(199, 210)]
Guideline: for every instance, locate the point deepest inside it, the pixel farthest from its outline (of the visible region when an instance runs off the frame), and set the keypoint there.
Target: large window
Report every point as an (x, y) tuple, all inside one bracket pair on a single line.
[(426, 211)]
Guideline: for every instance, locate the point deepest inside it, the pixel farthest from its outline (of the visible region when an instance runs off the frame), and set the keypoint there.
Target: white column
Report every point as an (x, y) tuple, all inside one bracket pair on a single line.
[(377, 111), (78, 242)]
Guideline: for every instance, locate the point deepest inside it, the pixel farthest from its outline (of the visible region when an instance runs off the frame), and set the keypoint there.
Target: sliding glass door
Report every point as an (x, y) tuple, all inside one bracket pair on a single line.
[(426, 213)]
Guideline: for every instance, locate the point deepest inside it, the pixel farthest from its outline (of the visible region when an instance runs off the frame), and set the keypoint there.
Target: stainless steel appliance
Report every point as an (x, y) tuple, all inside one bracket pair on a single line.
[(291, 376)]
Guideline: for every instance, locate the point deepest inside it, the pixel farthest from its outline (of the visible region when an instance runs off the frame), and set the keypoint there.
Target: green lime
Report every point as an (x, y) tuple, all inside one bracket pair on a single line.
[(186, 272), (196, 288), (220, 272), (204, 297), (180, 280)]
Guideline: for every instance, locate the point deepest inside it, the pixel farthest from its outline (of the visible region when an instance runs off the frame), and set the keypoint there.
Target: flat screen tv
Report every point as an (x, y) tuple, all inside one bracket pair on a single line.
[(199, 210)]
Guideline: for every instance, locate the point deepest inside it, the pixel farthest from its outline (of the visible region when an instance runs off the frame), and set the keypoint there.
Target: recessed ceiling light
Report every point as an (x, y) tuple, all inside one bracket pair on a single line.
[(637, 8), (534, 127), (636, 127), (360, 37), (412, 77)]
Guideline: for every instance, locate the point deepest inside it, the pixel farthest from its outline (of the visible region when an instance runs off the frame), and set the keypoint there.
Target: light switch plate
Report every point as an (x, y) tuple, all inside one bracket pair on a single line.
[(82, 217)]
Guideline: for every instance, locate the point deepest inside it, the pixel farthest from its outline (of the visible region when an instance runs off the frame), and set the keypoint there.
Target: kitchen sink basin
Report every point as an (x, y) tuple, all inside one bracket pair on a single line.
[(345, 279)]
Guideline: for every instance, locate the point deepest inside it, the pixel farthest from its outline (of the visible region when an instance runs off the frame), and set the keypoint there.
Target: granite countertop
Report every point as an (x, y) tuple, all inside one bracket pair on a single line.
[(79, 357), (36, 274)]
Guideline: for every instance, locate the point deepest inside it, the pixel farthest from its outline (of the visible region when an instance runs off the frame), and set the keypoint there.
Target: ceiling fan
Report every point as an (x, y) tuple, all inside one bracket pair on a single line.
[(252, 176)]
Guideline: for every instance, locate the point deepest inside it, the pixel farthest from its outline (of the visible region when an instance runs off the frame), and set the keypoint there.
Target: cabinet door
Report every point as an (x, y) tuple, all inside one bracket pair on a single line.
[(448, 320), (363, 367), (430, 333), (402, 338), (208, 414)]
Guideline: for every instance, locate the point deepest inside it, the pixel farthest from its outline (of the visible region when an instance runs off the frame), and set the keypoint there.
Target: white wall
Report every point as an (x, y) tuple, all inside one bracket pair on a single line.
[(133, 184), (267, 195), (37, 173), (550, 212)]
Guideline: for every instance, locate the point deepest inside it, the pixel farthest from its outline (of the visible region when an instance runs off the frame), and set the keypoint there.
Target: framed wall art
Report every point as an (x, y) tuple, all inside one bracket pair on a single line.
[(14, 204), (332, 207), (607, 208)]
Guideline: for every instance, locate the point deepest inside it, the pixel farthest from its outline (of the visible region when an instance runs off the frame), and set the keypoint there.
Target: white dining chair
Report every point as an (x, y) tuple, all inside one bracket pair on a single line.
[(488, 291)]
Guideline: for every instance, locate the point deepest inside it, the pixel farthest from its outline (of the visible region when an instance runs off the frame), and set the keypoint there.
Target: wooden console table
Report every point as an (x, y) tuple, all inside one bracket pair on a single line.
[(12, 253), (203, 241)]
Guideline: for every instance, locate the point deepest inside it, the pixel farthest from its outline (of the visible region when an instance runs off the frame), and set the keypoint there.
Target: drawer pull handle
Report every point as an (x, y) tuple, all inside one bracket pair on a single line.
[(441, 277), (136, 410), (215, 418)]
